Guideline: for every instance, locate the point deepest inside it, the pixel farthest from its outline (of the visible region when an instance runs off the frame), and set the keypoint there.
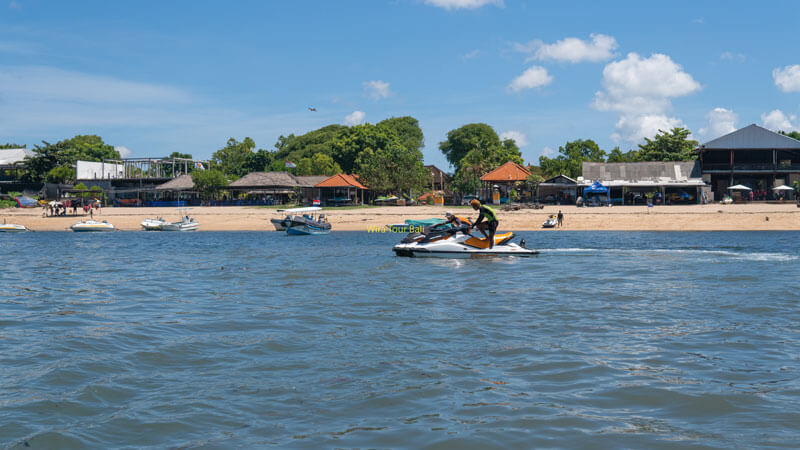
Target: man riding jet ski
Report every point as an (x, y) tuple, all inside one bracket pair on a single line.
[(443, 242), (491, 220)]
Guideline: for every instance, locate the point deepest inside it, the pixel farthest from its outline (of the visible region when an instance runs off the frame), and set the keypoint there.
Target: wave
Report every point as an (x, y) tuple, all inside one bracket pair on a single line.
[(745, 256)]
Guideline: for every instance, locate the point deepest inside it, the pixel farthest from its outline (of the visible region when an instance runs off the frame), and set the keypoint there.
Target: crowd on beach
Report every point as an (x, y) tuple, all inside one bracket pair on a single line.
[(55, 209)]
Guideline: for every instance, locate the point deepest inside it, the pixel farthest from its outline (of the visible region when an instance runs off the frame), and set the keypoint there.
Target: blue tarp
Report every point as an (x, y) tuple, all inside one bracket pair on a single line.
[(596, 188)]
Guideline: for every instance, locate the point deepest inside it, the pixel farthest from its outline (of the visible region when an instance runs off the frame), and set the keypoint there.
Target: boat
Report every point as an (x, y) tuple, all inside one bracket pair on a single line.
[(186, 224), (305, 221), (441, 242), (278, 224), (411, 225), (153, 224), (551, 221), (11, 227), (92, 225)]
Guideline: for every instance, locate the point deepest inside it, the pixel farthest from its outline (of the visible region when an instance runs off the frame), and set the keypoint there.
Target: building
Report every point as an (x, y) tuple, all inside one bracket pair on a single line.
[(341, 189), (504, 178), (560, 189), (271, 187), (751, 156), (668, 182), (11, 160)]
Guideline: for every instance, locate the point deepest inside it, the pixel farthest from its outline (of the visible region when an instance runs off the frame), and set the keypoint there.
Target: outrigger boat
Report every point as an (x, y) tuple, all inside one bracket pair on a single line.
[(440, 242), (92, 225), (304, 221)]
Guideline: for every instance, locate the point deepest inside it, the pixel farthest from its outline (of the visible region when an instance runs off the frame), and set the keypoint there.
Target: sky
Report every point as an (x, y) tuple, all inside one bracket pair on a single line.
[(153, 77)]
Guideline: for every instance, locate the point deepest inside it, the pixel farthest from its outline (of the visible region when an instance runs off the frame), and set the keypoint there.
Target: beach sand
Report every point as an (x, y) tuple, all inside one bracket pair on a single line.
[(756, 216)]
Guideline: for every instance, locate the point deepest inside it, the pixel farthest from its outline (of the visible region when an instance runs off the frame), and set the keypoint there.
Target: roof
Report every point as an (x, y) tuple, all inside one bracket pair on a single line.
[(341, 180), (560, 179), (181, 183), (509, 171), (660, 171), (265, 179), (438, 174), (310, 180), (14, 155), (752, 137)]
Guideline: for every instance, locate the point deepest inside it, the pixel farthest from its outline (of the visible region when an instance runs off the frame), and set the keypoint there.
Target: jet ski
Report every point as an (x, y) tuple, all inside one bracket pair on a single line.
[(551, 222), (440, 242)]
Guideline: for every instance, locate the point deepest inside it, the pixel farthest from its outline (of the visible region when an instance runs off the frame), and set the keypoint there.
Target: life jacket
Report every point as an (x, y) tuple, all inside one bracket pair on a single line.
[(489, 214), (463, 220)]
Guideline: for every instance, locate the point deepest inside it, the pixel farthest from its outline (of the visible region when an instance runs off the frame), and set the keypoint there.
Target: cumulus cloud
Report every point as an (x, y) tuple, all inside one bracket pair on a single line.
[(548, 152), (462, 4), (376, 89), (788, 78), (470, 55), (640, 89), (721, 121), (731, 56), (125, 152), (517, 136), (355, 118), (534, 77), (778, 121), (571, 49)]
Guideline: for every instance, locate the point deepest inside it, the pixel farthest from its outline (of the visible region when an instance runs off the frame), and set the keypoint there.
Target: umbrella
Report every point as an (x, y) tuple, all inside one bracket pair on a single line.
[(739, 187), (54, 203), (782, 187)]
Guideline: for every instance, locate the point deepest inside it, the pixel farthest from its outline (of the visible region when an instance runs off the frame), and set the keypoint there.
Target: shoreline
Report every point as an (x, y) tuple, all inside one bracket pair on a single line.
[(713, 217)]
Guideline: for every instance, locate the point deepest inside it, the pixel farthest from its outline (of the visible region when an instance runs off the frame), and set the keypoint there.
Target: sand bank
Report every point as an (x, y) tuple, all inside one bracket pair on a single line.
[(743, 217)]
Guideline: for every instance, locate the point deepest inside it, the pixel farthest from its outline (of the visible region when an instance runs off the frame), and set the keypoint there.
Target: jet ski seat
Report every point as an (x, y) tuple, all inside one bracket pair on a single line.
[(499, 239)]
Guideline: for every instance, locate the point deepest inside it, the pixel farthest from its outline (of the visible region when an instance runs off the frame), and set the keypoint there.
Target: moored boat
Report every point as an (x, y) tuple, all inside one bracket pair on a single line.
[(186, 224), (11, 227), (153, 224), (92, 225), (305, 221)]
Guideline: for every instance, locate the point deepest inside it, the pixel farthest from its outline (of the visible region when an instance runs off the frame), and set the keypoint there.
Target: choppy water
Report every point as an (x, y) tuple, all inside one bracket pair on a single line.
[(226, 340)]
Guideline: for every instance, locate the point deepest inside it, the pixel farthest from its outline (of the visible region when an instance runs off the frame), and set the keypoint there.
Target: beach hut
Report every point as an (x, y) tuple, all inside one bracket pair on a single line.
[(340, 189), (503, 178), (595, 192), (276, 188)]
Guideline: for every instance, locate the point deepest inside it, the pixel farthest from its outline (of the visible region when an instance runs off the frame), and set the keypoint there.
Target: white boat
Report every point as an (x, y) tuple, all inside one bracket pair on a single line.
[(279, 224), (186, 224), (92, 225), (459, 244), (11, 227), (304, 221), (551, 222), (153, 224)]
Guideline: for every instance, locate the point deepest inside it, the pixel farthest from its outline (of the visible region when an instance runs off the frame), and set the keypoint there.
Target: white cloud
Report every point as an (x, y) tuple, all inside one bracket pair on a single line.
[(721, 121), (355, 118), (548, 152), (125, 152), (376, 89), (471, 55), (730, 56), (532, 78), (574, 50), (788, 78), (778, 121), (517, 136), (462, 4), (640, 89), (15, 5)]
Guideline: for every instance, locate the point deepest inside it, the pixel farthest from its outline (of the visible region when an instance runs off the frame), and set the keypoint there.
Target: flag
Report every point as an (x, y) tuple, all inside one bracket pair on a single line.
[(199, 165), (290, 164)]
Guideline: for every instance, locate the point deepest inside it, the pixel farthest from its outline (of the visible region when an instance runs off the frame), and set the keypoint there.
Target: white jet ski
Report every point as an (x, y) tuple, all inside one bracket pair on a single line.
[(551, 222), (458, 243)]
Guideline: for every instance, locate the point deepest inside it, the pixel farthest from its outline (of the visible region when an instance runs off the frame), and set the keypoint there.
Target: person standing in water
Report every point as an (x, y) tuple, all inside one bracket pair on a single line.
[(560, 219), (491, 220)]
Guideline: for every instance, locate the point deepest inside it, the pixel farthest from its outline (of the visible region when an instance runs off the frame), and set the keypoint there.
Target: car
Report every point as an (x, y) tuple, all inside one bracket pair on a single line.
[(468, 198)]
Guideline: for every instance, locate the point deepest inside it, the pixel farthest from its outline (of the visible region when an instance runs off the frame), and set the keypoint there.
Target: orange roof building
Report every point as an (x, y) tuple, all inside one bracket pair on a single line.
[(341, 180), (340, 189), (507, 173)]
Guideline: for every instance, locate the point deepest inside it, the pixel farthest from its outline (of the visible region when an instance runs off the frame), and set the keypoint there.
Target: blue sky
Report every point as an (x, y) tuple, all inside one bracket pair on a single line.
[(156, 77)]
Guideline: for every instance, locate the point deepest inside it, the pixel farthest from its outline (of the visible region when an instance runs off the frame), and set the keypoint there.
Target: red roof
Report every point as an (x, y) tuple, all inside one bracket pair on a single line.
[(509, 171), (341, 180)]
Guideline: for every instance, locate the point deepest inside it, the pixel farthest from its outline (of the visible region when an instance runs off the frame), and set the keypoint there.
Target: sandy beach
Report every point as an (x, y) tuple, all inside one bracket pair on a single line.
[(742, 217)]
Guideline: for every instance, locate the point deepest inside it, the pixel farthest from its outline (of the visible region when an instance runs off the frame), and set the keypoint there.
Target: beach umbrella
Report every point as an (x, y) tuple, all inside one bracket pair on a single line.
[(782, 187), (739, 187), (54, 203)]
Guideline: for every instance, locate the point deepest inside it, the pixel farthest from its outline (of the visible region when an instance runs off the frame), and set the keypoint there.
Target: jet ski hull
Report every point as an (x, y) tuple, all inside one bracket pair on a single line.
[(459, 246)]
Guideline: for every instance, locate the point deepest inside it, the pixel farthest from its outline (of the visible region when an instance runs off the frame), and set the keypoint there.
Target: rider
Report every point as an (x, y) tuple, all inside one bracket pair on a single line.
[(491, 220), (457, 221)]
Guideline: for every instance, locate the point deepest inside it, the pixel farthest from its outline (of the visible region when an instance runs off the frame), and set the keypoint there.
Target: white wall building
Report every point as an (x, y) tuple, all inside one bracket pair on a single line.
[(89, 170)]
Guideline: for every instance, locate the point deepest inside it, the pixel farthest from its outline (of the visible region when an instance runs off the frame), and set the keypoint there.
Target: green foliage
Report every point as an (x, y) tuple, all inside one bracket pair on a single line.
[(66, 153), (319, 164), (60, 174), (294, 148), (96, 188), (668, 146), (407, 130), (616, 155), (7, 146), (81, 186), (358, 139), (791, 134), (467, 138), (259, 161), (179, 155), (571, 157), (393, 168), (208, 181), (232, 159)]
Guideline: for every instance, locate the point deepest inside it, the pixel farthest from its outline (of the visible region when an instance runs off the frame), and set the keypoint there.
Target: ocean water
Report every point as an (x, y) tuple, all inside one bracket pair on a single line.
[(242, 339)]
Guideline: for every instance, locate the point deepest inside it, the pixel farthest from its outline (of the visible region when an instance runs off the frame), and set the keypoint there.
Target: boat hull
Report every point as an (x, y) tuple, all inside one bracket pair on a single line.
[(461, 246), (278, 224), (12, 228), (92, 228), (306, 230), (181, 226)]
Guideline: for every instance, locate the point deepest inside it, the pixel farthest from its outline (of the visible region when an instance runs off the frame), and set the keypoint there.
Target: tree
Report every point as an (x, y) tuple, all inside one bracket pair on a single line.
[(791, 134), (319, 164), (232, 159), (616, 155), (66, 153), (208, 181), (7, 146), (179, 155), (359, 138), (61, 174), (674, 145), (259, 161), (407, 130), (466, 138), (571, 157), (393, 169)]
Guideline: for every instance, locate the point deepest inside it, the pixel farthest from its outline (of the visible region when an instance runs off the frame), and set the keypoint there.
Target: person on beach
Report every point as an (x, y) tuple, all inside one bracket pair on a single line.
[(560, 219), (491, 220), (457, 221)]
